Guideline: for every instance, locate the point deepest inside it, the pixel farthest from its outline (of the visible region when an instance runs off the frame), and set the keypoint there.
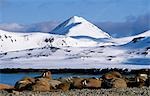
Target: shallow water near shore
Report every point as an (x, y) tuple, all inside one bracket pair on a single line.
[(11, 78)]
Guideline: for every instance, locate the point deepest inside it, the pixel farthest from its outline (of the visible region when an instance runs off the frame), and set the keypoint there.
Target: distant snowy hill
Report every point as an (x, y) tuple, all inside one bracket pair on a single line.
[(125, 40), (35, 27), (78, 26), (139, 42)]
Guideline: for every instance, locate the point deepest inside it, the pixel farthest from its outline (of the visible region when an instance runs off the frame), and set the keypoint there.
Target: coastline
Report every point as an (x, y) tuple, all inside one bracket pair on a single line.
[(77, 71), (129, 91)]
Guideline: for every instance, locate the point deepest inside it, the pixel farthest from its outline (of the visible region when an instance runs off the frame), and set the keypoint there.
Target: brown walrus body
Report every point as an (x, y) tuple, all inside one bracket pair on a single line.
[(24, 83), (113, 79), (112, 74), (92, 83), (41, 85), (5, 86)]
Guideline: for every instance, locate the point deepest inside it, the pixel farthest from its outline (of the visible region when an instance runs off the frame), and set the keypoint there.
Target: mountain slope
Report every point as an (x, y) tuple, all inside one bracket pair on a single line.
[(76, 57), (78, 26), (10, 41), (139, 42), (125, 40), (33, 51)]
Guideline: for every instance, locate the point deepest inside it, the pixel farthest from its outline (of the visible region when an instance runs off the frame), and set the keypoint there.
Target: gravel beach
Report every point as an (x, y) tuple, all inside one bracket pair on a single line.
[(144, 91)]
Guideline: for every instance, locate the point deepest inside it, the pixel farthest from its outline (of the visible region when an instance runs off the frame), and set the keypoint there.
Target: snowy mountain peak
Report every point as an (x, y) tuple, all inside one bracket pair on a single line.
[(78, 26), (76, 19)]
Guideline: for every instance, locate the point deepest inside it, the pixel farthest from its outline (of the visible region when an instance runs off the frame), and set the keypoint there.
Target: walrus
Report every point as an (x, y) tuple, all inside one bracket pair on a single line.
[(114, 83), (24, 83), (41, 85), (64, 86), (111, 75), (5, 87), (46, 75), (77, 83), (92, 83), (141, 79)]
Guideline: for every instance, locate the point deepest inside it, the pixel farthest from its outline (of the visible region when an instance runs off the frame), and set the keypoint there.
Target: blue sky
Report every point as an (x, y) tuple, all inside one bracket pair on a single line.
[(33, 11)]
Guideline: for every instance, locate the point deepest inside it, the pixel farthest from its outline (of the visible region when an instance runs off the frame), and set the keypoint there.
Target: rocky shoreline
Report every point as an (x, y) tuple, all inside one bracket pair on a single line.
[(144, 91), (111, 83)]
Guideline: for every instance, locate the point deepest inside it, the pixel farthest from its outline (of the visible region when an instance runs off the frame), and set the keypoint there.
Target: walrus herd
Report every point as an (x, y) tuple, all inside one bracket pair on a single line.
[(45, 82)]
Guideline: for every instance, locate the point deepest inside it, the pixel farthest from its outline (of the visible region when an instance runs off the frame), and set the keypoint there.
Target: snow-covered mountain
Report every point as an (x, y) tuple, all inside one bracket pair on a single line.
[(64, 50), (10, 41), (78, 26)]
